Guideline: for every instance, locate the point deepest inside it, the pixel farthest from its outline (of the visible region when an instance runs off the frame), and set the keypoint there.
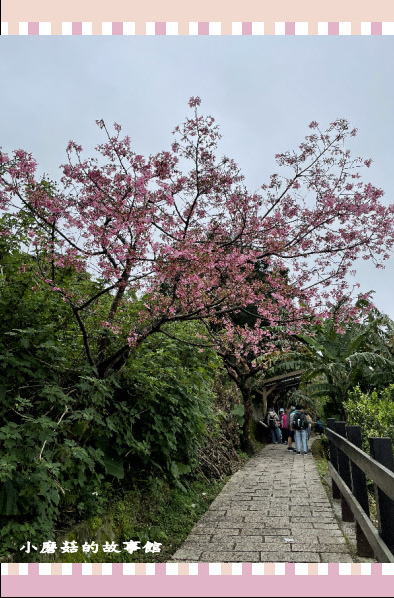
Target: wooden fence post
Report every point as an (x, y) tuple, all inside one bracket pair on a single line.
[(359, 488), (382, 451), (333, 457), (344, 472)]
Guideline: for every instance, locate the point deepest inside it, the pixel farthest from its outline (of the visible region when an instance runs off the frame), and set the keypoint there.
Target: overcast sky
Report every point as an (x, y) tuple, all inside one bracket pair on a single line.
[(262, 91)]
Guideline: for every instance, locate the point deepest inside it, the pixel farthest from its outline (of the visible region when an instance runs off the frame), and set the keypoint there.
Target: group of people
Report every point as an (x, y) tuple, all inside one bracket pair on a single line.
[(293, 425)]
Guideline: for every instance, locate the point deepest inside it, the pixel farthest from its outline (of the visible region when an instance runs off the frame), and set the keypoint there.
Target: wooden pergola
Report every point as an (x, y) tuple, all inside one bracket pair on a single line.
[(282, 382)]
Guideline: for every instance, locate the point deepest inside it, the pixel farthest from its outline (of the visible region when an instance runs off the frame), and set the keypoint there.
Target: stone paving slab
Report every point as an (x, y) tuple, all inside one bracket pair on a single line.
[(332, 557), (274, 509)]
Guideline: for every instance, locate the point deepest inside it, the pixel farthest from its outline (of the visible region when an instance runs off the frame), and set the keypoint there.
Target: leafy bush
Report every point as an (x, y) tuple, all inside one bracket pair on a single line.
[(69, 440), (373, 412), (64, 445), (45, 464), (168, 388)]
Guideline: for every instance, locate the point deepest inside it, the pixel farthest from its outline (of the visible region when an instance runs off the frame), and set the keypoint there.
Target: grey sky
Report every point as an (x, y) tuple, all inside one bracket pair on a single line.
[(262, 91)]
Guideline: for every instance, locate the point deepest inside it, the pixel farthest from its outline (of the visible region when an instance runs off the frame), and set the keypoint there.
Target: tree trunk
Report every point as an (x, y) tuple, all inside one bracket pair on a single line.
[(246, 444)]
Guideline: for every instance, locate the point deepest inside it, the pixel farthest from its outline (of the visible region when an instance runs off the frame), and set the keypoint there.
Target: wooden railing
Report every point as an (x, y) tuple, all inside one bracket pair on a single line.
[(349, 467)]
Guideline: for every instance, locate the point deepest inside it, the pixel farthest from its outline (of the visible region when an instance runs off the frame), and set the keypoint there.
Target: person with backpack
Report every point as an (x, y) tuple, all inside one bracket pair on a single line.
[(299, 424), (290, 432), (273, 424), (319, 427)]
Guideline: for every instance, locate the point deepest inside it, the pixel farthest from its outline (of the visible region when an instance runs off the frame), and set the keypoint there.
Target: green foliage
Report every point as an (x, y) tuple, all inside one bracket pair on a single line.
[(325, 446), (335, 361), (69, 440), (152, 511), (239, 412), (373, 412), (170, 391)]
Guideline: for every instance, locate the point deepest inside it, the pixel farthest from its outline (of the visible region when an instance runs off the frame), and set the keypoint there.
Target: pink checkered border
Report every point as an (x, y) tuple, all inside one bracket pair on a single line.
[(332, 569), (202, 28)]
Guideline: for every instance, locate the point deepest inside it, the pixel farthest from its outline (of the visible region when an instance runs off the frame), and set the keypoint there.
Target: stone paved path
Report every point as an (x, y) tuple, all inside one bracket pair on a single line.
[(260, 516)]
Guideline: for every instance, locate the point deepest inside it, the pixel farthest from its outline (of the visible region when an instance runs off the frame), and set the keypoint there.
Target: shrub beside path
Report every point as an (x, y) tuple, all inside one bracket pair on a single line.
[(274, 509)]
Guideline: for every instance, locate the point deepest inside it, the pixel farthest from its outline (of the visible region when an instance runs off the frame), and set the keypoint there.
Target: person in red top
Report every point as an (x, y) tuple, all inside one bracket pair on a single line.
[(283, 425)]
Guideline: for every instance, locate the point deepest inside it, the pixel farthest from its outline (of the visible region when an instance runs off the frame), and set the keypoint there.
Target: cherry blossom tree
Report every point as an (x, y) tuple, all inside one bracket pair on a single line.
[(177, 234)]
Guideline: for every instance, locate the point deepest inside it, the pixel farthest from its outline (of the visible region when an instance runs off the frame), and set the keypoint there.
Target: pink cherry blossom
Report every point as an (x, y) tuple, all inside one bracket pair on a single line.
[(181, 230)]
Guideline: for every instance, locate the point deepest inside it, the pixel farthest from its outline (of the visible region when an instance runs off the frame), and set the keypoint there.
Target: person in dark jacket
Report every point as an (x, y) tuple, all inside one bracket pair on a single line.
[(273, 424), (299, 424), (290, 433)]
